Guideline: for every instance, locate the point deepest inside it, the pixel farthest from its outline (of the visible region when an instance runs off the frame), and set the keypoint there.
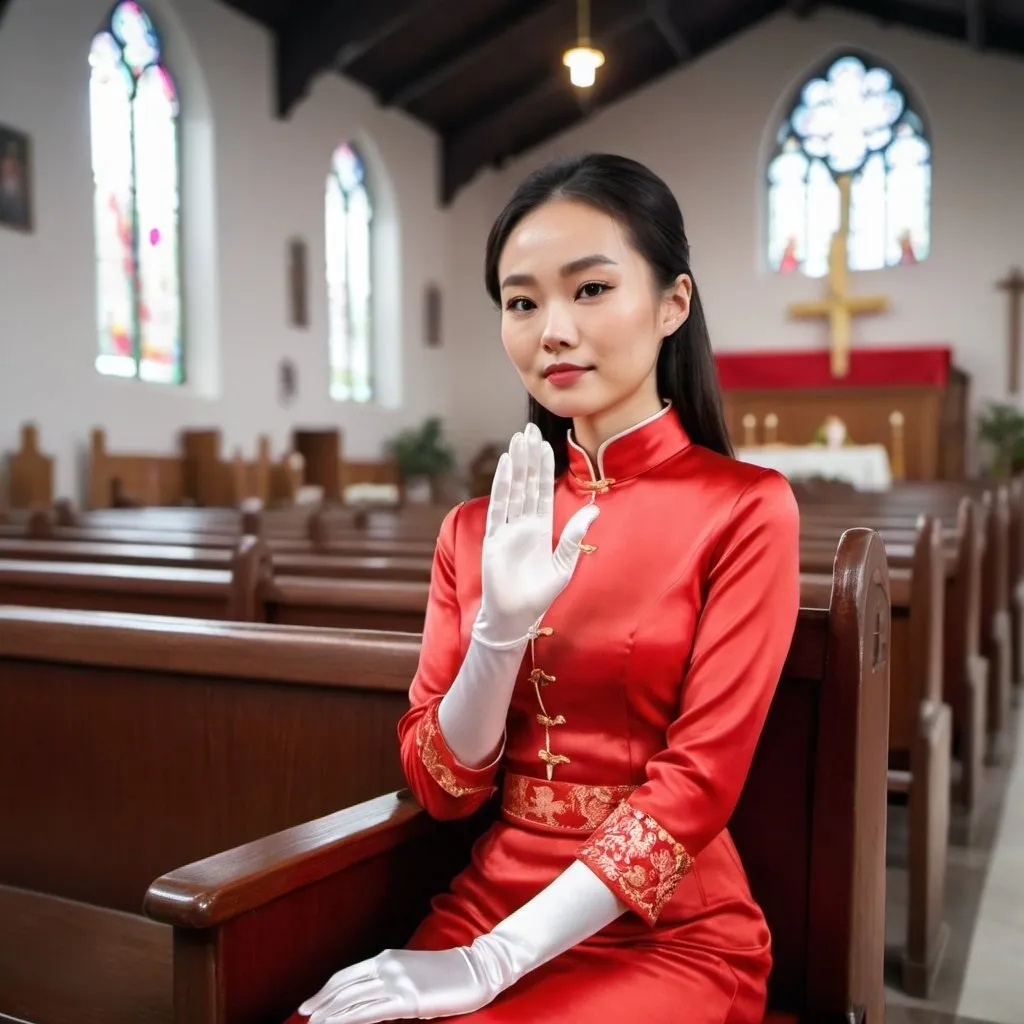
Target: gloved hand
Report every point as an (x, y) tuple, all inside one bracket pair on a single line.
[(399, 984), (521, 576)]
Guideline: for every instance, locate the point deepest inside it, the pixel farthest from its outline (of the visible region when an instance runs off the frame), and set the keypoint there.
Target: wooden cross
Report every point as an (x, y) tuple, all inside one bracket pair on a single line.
[(840, 307), (1014, 286)]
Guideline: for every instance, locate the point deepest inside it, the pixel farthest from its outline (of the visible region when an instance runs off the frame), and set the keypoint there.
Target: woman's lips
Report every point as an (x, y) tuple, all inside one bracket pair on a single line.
[(567, 377)]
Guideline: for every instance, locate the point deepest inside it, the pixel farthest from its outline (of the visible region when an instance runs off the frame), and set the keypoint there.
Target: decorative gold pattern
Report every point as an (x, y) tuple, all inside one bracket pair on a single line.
[(564, 806), (587, 549), (432, 749), (640, 858)]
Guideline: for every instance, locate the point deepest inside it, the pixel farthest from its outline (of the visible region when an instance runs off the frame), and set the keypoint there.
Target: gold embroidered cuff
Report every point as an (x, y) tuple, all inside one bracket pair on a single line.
[(639, 859), (454, 778)]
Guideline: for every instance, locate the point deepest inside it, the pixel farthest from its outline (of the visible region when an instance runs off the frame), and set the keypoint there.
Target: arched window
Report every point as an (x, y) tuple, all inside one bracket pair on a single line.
[(349, 225), (855, 121), (134, 121)]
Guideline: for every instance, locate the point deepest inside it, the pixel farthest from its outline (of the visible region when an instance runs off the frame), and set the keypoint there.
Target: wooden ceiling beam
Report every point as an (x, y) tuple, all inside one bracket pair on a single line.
[(317, 39), (482, 142), (464, 52), (803, 8), (660, 13), (976, 23), (996, 33)]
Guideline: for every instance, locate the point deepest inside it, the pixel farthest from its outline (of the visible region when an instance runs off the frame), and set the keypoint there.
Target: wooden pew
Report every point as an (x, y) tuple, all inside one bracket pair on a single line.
[(920, 739), (312, 534), (997, 625), (259, 928), (232, 593), (344, 604), (379, 594), (133, 744), (964, 671), (286, 563)]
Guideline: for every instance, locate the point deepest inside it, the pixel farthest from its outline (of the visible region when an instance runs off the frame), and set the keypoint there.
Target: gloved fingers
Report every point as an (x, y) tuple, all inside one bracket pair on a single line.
[(359, 974), (568, 549), (497, 510), (534, 446), (546, 482), (365, 1011), (517, 492)]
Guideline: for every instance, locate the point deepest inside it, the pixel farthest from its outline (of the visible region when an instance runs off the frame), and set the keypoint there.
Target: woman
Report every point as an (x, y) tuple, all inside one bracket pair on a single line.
[(619, 681)]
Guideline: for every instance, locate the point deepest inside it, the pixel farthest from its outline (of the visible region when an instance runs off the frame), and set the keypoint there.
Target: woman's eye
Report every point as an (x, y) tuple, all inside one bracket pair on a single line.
[(592, 289), (520, 305)]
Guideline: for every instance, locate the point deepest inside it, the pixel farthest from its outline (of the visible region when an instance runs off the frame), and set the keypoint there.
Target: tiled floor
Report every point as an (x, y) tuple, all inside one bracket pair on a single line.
[(982, 975)]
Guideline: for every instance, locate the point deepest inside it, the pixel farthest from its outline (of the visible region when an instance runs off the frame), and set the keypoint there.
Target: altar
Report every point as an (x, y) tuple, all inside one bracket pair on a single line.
[(865, 467), (785, 396)]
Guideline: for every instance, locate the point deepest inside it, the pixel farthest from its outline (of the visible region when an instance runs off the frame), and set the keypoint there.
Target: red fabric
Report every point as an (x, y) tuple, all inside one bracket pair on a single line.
[(663, 655), (869, 367)]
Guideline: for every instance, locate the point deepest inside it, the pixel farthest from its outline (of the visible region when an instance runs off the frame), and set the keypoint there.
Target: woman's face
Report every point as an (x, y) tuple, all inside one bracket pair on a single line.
[(582, 317)]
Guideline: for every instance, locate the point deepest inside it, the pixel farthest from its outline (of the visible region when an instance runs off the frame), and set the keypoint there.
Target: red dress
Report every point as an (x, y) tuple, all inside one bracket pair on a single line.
[(630, 733)]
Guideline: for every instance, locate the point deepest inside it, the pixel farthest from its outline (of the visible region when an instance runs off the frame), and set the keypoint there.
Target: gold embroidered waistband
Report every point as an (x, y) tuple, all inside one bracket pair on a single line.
[(561, 806)]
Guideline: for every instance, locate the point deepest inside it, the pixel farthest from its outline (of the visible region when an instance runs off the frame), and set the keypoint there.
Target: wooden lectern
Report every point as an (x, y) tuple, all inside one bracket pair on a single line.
[(799, 389)]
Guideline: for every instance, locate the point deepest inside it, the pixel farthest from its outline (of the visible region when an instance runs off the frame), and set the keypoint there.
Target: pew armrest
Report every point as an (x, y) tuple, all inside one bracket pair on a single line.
[(260, 928), (211, 892)]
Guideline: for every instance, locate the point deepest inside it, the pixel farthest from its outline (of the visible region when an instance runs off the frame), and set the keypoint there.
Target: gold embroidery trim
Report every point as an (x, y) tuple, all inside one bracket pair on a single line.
[(431, 746), (563, 806), (640, 858)]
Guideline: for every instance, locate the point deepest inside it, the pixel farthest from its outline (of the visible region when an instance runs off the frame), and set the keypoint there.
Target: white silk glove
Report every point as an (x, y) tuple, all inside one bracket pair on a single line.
[(399, 984), (520, 578), (520, 575)]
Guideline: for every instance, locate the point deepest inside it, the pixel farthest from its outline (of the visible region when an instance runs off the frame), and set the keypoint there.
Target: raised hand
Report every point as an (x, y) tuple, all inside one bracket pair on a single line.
[(521, 575)]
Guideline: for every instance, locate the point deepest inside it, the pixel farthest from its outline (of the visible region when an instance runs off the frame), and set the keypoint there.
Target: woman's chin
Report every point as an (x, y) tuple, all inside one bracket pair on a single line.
[(569, 407), (571, 402)]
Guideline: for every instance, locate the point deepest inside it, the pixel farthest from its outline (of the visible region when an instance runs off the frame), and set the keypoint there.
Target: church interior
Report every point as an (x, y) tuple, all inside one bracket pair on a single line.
[(265, 369)]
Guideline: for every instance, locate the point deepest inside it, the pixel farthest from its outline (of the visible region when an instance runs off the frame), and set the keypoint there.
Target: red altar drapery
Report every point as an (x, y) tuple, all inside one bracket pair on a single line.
[(926, 366)]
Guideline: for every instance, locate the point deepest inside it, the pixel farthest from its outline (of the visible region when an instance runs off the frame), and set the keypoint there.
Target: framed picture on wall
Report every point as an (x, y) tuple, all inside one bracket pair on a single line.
[(15, 180)]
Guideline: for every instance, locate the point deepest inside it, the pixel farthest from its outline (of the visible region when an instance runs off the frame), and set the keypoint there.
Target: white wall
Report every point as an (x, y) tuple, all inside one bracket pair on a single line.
[(707, 129), (251, 182)]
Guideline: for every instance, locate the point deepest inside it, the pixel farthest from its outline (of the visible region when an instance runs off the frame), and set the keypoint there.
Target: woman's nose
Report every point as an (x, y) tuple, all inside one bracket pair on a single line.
[(560, 328)]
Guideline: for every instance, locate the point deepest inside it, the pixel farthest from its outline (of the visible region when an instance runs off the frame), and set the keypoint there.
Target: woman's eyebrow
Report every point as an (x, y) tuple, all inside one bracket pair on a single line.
[(574, 267)]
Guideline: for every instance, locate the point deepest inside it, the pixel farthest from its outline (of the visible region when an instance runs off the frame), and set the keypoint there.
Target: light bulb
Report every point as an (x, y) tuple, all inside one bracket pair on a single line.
[(582, 62)]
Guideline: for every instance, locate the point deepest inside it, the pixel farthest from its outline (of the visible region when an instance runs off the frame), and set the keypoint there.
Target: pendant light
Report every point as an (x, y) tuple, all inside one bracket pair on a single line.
[(582, 60)]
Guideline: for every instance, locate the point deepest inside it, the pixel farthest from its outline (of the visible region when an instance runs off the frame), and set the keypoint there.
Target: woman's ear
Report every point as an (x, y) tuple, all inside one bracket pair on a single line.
[(675, 306)]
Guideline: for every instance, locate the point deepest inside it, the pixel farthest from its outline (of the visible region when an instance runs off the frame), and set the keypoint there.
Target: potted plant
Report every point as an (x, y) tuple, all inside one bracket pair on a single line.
[(421, 456), (1001, 425)]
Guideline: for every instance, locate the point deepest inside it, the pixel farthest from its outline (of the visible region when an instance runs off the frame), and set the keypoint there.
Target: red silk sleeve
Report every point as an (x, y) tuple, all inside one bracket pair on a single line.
[(740, 646), (445, 788)]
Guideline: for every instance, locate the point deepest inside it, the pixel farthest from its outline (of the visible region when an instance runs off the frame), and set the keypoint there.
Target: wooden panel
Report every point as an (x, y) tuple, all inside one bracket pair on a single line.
[(30, 473), (165, 742), (63, 962)]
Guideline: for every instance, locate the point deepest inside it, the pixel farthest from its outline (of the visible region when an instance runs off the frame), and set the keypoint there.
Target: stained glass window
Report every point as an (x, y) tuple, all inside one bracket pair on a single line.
[(857, 121), (349, 225), (134, 124)]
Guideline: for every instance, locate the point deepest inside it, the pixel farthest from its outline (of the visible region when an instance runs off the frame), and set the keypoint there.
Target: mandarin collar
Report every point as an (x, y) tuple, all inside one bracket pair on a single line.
[(631, 451)]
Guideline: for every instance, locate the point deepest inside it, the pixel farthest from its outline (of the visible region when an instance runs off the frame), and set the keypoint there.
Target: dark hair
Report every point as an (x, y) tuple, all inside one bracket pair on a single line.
[(645, 206)]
